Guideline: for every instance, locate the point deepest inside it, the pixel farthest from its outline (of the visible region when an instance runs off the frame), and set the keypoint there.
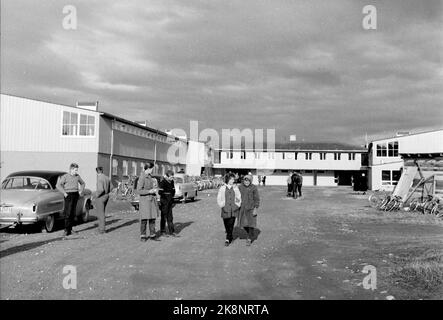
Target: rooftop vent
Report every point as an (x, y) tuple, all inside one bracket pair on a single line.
[(142, 123), (402, 133), (93, 106)]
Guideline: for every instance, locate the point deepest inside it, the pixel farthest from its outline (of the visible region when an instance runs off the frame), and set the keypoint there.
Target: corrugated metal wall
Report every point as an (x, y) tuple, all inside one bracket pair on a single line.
[(30, 125)]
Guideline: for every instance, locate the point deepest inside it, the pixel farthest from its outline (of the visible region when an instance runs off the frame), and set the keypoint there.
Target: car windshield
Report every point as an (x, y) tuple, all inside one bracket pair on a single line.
[(26, 183)]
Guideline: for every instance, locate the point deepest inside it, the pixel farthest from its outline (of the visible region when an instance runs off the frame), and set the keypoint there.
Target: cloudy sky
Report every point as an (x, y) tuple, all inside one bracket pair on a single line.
[(303, 67)]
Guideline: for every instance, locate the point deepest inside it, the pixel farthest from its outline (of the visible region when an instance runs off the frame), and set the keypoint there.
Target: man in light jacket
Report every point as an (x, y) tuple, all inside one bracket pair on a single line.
[(229, 200)]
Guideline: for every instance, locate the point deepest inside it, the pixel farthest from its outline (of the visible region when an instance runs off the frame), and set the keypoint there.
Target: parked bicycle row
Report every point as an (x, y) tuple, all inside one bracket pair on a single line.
[(388, 202), (126, 189)]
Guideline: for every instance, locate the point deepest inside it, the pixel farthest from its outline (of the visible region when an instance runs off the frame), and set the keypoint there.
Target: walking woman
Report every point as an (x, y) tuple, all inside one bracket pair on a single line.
[(229, 200), (247, 217), (147, 189)]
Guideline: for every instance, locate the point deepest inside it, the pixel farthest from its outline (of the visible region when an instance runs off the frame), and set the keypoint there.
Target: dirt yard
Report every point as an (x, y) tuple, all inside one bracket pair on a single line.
[(312, 248)]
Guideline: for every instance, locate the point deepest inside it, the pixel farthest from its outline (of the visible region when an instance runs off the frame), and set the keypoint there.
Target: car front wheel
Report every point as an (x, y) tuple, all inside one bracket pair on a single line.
[(49, 223)]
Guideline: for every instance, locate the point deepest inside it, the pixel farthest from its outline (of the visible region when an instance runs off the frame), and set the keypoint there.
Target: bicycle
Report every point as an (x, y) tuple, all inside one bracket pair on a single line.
[(395, 203), (379, 199)]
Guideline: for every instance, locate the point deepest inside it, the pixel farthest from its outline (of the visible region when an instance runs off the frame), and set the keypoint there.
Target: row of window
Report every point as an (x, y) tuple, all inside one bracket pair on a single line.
[(289, 155), (134, 168), (127, 128), (78, 124), (387, 149)]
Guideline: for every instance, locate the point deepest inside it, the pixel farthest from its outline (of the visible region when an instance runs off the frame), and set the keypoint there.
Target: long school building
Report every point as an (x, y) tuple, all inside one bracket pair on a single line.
[(47, 136), (322, 164)]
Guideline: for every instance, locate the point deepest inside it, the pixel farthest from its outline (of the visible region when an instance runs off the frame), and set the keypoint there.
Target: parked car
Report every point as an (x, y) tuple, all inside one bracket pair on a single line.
[(30, 197), (184, 189)]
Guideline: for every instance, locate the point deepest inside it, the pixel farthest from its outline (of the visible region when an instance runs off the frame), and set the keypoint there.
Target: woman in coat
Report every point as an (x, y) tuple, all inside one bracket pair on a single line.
[(247, 217), (229, 200), (148, 206)]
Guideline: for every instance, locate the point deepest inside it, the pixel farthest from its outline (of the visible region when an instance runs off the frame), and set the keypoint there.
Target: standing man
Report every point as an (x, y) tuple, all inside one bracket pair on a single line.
[(298, 182), (259, 179), (148, 207), (167, 192), (264, 180), (102, 197), (68, 184), (289, 182)]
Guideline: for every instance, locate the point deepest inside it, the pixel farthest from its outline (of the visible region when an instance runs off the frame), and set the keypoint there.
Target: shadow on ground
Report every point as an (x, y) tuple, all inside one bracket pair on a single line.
[(26, 247)]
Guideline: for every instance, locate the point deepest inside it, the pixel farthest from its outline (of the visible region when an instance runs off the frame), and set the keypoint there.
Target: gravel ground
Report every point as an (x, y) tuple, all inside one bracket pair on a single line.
[(312, 248)]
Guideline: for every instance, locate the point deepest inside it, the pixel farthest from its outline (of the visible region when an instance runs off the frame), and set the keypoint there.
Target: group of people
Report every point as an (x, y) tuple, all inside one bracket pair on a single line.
[(150, 209), (239, 201), (262, 180), (72, 186), (295, 183)]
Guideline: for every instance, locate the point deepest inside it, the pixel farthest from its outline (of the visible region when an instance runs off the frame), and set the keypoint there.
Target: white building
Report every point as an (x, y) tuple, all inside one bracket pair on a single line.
[(386, 162), (321, 164), (38, 135)]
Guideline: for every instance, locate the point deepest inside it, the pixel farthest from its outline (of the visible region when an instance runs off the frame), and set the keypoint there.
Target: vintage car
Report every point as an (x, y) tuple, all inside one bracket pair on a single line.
[(30, 197), (184, 188)]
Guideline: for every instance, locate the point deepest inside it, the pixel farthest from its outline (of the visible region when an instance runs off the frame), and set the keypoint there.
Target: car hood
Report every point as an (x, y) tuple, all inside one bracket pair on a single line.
[(20, 197)]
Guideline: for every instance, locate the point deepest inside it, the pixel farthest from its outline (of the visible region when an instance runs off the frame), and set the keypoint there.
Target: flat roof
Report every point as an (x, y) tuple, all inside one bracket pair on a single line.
[(407, 135)]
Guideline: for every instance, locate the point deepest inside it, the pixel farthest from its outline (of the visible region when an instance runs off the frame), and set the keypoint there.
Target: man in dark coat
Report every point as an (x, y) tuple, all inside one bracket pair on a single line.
[(167, 192), (147, 188), (297, 180)]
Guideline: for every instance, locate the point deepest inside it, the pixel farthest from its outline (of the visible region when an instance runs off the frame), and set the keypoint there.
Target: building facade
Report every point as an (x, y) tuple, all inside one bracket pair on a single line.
[(385, 156), (321, 164), (41, 135)]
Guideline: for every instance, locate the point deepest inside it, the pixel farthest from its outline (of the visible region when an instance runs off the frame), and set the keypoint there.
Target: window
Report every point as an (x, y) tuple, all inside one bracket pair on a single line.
[(389, 177), (337, 156), (114, 167), (134, 168), (70, 123), (320, 171), (322, 156), (386, 177), (381, 150), (77, 124), (87, 125), (17, 183), (396, 174), (351, 156), (393, 149), (125, 167), (308, 156), (308, 171)]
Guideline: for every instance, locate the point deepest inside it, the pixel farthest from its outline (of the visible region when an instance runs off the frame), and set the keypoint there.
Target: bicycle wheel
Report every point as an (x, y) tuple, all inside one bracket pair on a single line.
[(374, 200), (427, 208), (390, 205), (413, 205), (382, 205), (435, 210)]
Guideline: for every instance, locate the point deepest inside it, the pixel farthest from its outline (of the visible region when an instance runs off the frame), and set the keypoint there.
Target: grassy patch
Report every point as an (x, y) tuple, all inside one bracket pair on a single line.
[(422, 272)]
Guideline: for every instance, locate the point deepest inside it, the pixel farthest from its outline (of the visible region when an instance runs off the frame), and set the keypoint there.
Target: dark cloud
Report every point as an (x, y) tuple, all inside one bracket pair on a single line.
[(304, 67)]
